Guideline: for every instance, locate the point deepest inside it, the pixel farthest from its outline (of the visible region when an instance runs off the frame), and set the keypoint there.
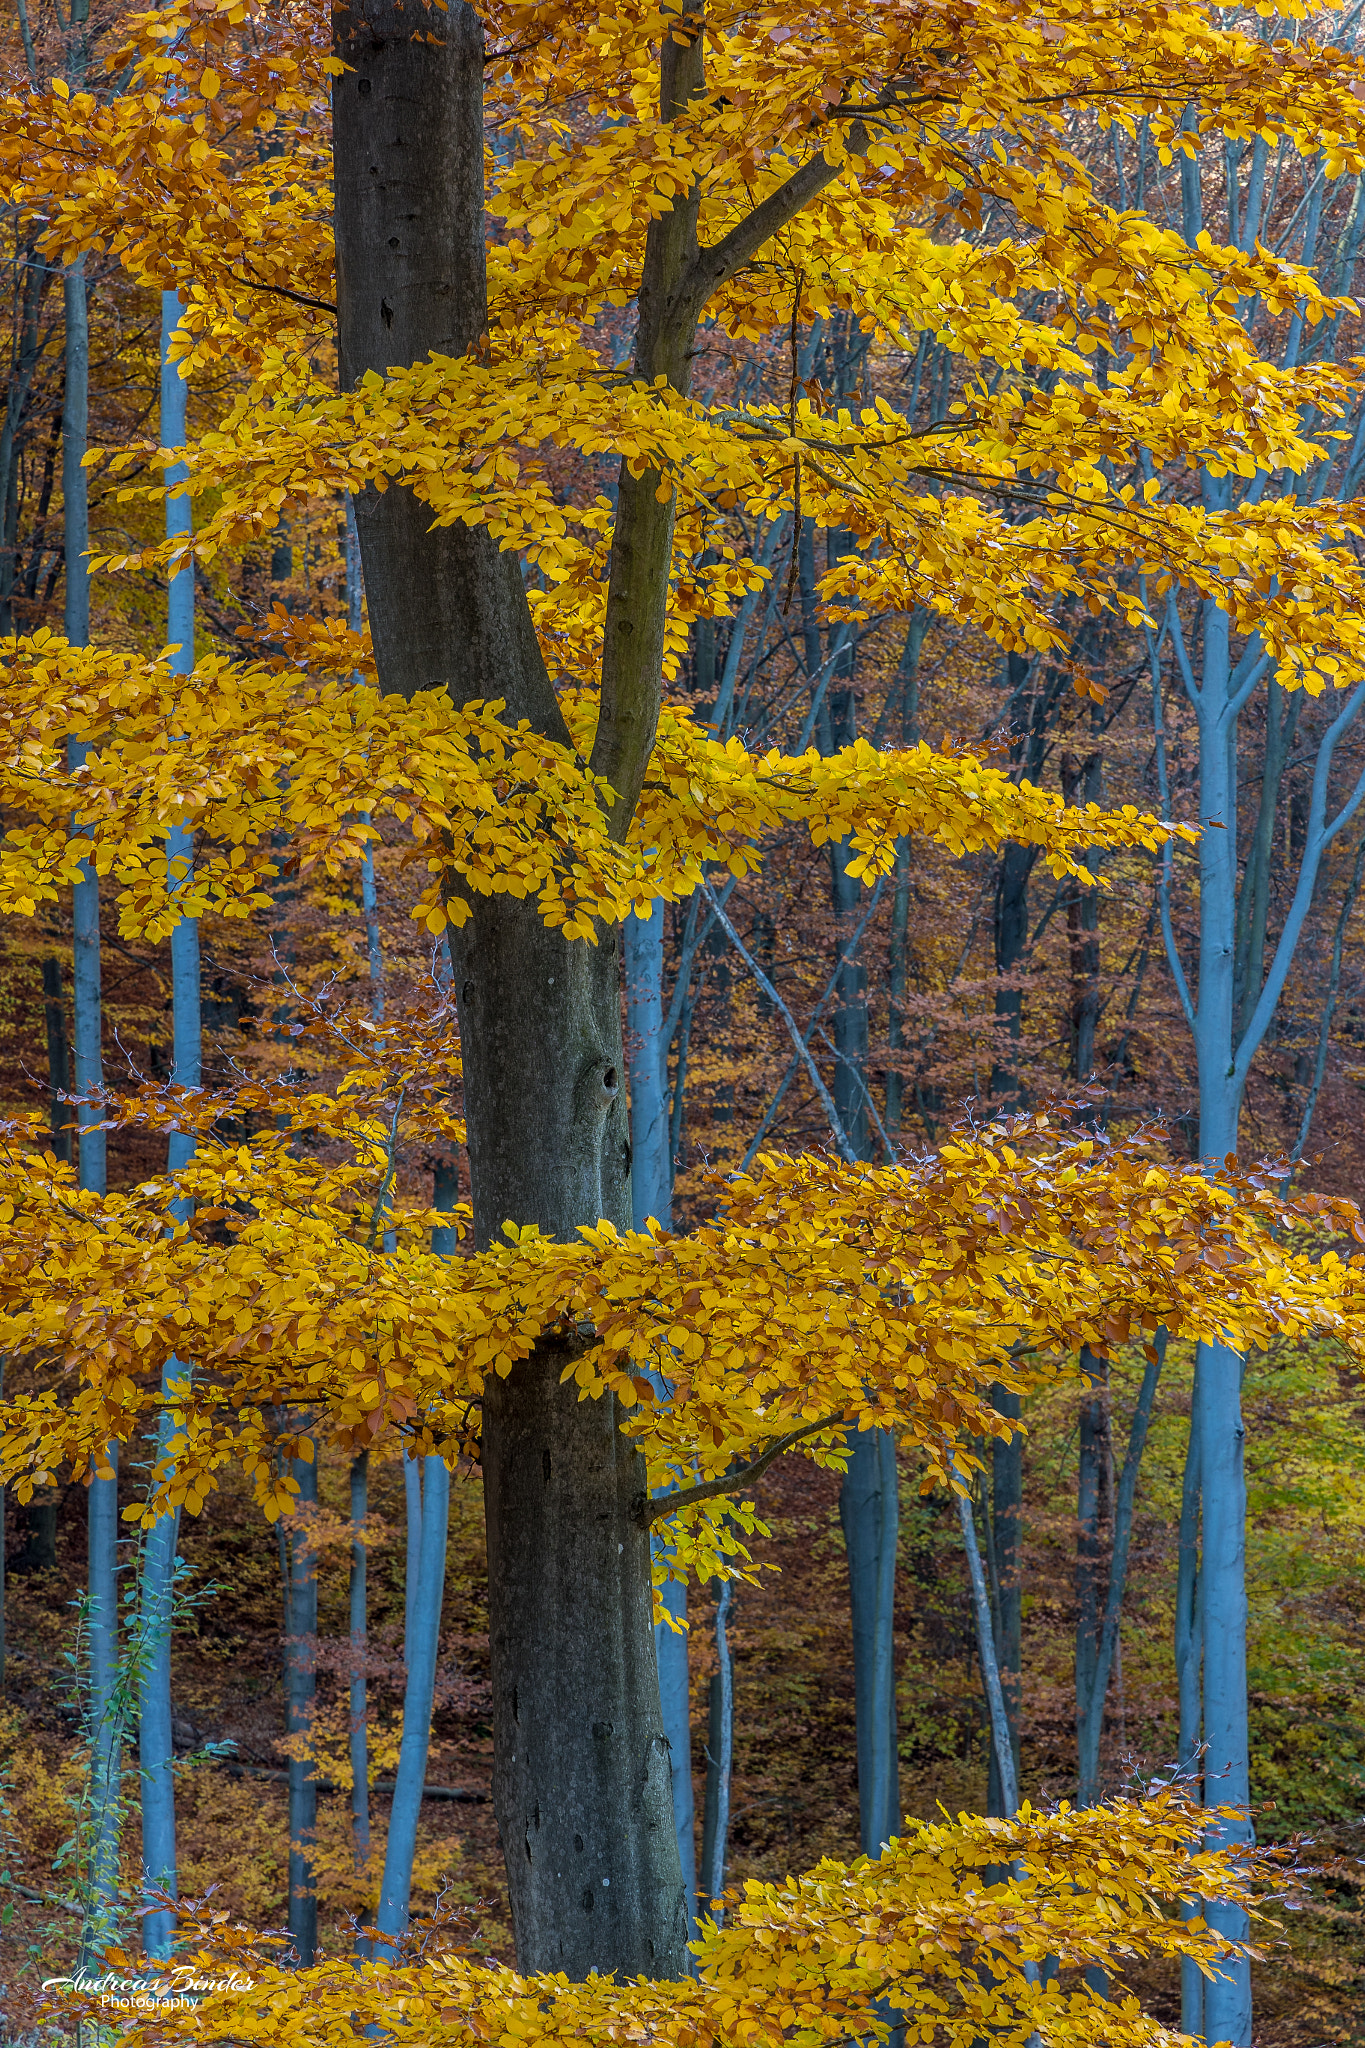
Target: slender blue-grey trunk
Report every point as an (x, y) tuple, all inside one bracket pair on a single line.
[(651, 1189), (1001, 1738), (426, 1486), (1100, 1594), (75, 431), (869, 1511), (869, 1499), (1188, 1670), (720, 1757), (155, 1735), (1004, 1534), (359, 1735), (1093, 1512), (1218, 1376), (300, 1665), (1228, 1012), (102, 1521), (425, 1592)]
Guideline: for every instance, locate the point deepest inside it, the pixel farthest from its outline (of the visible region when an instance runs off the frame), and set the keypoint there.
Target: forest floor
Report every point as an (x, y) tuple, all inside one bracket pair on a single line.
[(794, 1795)]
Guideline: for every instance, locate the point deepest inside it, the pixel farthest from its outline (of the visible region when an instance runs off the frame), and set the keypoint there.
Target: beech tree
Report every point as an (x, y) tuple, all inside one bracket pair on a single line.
[(700, 178)]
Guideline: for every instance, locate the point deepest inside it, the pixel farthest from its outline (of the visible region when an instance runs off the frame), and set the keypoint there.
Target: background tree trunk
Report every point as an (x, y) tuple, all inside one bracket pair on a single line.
[(300, 1668), (1005, 1535), (155, 1743), (651, 1188), (103, 1527)]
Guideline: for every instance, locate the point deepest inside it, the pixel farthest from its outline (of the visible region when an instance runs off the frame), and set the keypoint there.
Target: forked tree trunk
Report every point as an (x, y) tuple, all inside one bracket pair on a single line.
[(581, 1778)]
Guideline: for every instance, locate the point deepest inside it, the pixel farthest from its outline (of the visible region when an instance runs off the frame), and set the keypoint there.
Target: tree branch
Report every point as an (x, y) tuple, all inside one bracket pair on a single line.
[(837, 1130), (658, 1510), (715, 266), (282, 291)]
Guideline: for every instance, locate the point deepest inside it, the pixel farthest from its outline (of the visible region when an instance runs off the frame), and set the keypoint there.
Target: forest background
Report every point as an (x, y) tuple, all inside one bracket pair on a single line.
[(976, 986)]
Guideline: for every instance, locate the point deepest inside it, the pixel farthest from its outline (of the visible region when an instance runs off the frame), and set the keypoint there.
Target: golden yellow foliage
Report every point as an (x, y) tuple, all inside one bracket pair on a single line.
[(950, 1928)]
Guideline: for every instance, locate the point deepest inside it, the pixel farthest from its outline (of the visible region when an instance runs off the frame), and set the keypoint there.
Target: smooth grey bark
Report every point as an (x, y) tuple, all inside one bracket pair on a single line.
[(907, 681), (869, 1513), (1082, 783), (75, 429), (156, 1752), (104, 1714), (1093, 1512), (426, 1574), (1237, 996), (357, 1616), (1124, 1498), (985, 1645), (651, 1178), (1189, 1681), (23, 363), (1007, 1508), (156, 1592), (58, 1063), (651, 1188), (300, 1671), (720, 1752), (675, 1704), (869, 1497), (102, 1518)]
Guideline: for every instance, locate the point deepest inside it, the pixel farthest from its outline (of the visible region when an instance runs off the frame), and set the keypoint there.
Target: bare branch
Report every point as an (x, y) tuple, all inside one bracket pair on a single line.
[(658, 1510), (715, 266)]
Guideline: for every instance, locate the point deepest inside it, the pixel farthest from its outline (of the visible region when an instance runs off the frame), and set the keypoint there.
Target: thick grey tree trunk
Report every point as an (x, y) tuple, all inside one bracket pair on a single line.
[(581, 1779)]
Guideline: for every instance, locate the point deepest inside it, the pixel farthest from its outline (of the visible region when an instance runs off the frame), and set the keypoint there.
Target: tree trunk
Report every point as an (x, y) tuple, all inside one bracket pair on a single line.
[(58, 1065), (581, 1782), (155, 1744), (75, 482), (651, 1183), (104, 1713), (869, 1500), (1218, 1376), (869, 1512), (1007, 1507), (359, 1732), (908, 685), (1189, 1681), (1082, 783), (1089, 1558), (156, 1750), (25, 362), (106, 1739), (582, 1779), (300, 1670), (720, 1755), (426, 1572)]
